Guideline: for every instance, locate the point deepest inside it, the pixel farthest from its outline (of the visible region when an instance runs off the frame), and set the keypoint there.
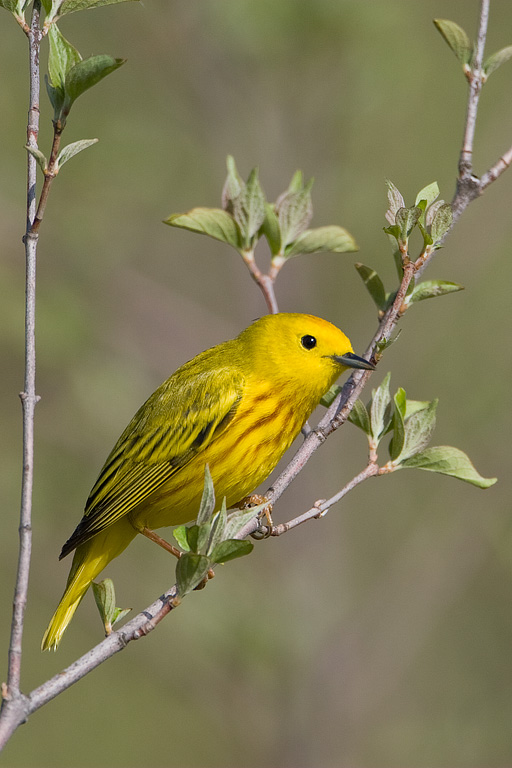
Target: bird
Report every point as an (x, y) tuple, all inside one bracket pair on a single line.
[(236, 407)]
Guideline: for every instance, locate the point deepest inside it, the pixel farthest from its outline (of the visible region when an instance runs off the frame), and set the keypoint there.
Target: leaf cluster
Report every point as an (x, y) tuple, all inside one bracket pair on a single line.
[(433, 218), (69, 76), (459, 42), (410, 423), (246, 216), (211, 539)]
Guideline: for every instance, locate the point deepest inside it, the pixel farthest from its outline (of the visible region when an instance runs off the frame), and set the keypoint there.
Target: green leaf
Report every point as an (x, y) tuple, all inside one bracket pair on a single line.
[(332, 239), (428, 193), (429, 289), (296, 183), (374, 285), (62, 57), (384, 343), (73, 149), (249, 208), (427, 240), (105, 597), (395, 200), (441, 222), (190, 571), (447, 460), (417, 432), (431, 212), (207, 506), (255, 203), (218, 528), (406, 220), (14, 6), (192, 533), (56, 96), (231, 549), (294, 211), (397, 441), (270, 229), (393, 231), (360, 417), (209, 221), (85, 74), (457, 39), (38, 155), (232, 186), (330, 396), (119, 614), (496, 60), (413, 406), (70, 6), (181, 536), (380, 408), (401, 401)]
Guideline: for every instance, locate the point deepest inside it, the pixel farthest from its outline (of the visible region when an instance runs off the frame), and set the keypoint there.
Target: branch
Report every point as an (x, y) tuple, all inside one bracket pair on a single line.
[(28, 396), (17, 709), (49, 175), (321, 507), (265, 282), (475, 78)]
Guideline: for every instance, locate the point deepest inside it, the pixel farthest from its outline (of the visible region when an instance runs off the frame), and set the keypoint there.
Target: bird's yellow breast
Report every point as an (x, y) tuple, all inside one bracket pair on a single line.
[(243, 455)]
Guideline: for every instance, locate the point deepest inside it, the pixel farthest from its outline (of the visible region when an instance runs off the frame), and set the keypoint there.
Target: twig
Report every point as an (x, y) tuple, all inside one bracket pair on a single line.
[(49, 176), (28, 396), (17, 710), (475, 79), (265, 282), (470, 186), (320, 507)]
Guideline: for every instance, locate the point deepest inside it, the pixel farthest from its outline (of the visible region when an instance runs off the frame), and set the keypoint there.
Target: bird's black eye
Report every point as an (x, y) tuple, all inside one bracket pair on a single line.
[(308, 342)]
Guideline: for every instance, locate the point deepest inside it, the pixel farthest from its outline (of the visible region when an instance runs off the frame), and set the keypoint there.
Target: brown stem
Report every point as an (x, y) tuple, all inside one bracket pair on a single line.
[(49, 176), (265, 282)]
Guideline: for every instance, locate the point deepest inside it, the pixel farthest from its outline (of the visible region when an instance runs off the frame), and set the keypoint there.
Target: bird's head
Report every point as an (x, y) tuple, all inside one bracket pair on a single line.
[(302, 350)]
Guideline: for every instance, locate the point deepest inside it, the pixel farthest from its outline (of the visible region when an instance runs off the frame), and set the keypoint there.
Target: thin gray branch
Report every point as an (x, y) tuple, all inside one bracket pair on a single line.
[(28, 396)]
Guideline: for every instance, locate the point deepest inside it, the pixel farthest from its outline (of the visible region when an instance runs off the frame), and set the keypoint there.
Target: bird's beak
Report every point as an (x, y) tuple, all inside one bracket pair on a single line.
[(350, 360)]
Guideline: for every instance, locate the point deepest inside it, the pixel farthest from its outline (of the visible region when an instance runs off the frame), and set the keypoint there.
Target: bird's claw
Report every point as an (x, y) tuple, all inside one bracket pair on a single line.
[(255, 500)]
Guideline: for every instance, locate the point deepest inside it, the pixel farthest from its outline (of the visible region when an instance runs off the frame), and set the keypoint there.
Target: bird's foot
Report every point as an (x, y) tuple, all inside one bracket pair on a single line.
[(255, 500)]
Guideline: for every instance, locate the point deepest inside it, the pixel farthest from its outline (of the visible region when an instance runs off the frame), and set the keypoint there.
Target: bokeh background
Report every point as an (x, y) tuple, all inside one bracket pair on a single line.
[(382, 635)]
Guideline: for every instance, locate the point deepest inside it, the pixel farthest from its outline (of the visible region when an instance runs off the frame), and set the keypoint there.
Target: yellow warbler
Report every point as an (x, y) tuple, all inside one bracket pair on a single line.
[(236, 407)]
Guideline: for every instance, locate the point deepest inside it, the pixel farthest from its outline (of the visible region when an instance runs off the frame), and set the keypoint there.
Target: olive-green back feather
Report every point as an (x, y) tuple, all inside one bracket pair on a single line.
[(180, 419)]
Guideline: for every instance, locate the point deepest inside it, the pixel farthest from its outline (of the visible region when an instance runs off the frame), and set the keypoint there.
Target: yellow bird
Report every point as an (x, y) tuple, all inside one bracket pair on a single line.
[(236, 407)]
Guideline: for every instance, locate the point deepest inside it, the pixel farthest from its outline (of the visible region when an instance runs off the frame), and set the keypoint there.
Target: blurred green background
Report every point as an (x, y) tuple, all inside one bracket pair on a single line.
[(382, 635)]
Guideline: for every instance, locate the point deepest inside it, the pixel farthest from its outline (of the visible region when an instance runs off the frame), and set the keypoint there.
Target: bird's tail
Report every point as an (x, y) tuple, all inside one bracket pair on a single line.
[(89, 560)]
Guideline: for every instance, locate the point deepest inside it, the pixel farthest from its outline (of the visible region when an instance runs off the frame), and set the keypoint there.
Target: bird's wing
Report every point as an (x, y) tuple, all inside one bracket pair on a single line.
[(178, 421)]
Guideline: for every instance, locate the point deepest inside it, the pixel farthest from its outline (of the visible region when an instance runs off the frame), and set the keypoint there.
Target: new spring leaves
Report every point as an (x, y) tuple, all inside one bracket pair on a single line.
[(211, 539), (464, 50), (246, 216), (433, 218), (411, 423), (69, 76)]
